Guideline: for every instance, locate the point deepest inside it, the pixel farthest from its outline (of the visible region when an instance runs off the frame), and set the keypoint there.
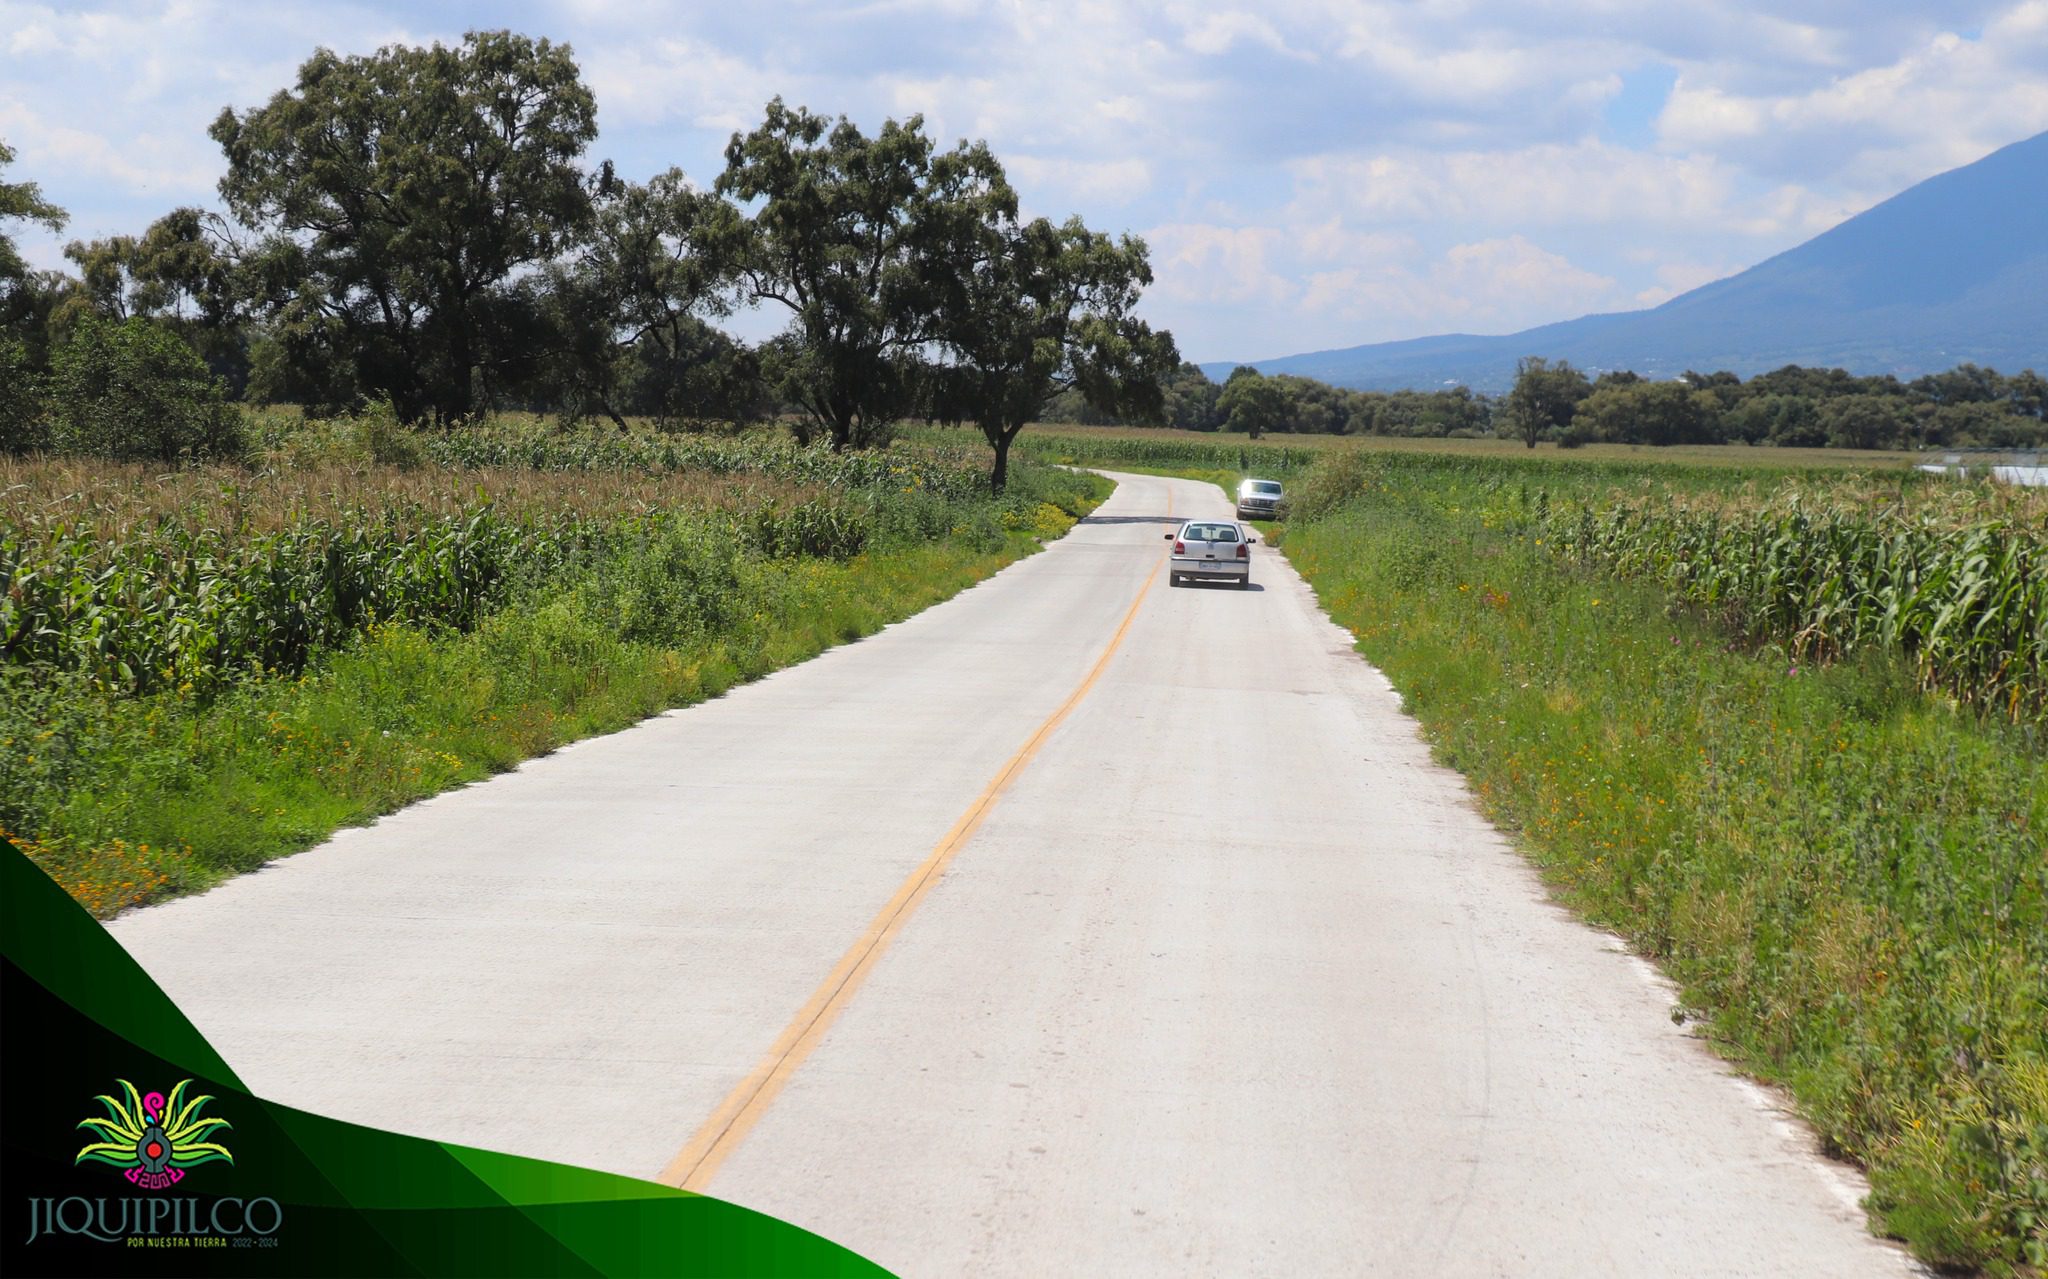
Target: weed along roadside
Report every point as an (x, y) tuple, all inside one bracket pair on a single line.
[(1839, 852), (229, 665)]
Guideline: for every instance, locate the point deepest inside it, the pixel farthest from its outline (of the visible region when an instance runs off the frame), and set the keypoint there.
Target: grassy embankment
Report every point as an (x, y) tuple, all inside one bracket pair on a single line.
[(1827, 820), (208, 669)]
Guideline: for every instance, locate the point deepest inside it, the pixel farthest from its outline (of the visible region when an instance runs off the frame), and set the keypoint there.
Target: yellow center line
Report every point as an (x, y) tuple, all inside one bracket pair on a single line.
[(694, 1166)]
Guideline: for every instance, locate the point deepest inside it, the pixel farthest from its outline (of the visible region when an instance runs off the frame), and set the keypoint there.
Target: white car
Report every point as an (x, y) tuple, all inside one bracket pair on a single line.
[(1211, 551)]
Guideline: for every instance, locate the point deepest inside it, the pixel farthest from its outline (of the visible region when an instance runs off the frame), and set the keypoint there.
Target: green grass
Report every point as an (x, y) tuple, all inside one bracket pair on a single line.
[(168, 796)]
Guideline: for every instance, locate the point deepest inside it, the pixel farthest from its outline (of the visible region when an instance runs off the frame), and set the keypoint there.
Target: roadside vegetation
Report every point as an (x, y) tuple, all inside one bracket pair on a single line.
[(1785, 731), (210, 667)]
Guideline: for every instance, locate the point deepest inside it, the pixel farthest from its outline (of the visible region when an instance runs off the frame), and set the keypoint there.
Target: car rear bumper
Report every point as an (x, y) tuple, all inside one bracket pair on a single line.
[(1188, 566)]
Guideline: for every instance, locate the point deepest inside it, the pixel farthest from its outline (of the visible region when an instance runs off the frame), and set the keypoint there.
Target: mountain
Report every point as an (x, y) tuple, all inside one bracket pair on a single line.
[(1953, 269)]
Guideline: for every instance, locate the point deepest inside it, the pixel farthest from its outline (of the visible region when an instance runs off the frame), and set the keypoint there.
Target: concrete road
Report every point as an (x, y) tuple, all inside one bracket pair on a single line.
[(1077, 925)]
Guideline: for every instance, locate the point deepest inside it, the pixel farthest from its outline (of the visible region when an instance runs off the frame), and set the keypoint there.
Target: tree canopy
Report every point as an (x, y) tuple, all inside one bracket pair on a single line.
[(399, 195), (1039, 310), (854, 236), (1544, 397), (21, 202), (1252, 402)]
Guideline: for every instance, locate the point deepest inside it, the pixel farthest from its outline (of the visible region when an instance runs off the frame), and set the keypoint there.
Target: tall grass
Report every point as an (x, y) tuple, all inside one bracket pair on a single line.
[(191, 582), (1848, 878)]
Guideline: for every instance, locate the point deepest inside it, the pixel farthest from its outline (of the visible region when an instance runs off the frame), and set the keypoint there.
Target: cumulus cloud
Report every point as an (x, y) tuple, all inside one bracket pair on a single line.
[(1049, 182), (1487, 286), (1200, 263), (1942, 100), (1584, 181)]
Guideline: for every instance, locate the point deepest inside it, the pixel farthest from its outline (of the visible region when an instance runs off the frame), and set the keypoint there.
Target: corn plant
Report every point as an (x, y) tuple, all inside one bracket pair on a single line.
[(174, 606), (1966, 604)]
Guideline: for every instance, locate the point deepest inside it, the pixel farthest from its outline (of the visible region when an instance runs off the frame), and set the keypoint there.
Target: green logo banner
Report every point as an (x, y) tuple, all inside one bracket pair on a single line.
[(130, 1147)]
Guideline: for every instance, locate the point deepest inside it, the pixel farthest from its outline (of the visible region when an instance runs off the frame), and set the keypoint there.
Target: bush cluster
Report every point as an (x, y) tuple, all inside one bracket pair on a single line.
[(127, 391)]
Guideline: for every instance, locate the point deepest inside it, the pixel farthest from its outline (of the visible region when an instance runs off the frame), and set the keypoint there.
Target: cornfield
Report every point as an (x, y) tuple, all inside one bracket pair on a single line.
[(954, 473), (1967, 603), (172, 606), (192, 580)]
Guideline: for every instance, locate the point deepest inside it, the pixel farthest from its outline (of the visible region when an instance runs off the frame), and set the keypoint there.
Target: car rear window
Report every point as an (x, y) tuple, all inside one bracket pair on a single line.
[(1211, 533)]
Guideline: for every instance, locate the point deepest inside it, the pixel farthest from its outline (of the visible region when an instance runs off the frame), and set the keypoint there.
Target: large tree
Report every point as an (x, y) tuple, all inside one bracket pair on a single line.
[(1253, 403), (182, 272), (401, 196), (1041, 309), (1544, 397), (856, 237)]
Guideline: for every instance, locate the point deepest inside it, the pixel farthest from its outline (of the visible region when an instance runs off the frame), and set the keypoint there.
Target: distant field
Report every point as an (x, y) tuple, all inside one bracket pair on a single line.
[(1699, 454)]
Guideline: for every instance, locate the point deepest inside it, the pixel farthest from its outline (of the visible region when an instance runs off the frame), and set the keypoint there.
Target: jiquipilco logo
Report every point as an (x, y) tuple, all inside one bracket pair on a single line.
[(152, 1139), (155, 1142)]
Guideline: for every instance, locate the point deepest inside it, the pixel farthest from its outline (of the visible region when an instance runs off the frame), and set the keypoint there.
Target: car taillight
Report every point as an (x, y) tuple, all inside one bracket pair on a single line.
[(1180, 548), (1244, 551)]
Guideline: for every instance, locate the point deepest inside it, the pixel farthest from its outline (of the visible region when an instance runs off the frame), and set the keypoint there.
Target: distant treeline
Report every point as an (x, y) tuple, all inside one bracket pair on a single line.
[(1966, 406)]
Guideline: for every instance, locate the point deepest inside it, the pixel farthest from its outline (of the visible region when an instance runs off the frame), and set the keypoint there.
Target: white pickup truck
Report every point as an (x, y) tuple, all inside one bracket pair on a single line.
[(1259, 499)]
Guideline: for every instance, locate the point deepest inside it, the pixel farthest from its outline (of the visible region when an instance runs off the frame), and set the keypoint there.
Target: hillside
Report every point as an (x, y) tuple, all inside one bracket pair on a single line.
[(1953, 269)]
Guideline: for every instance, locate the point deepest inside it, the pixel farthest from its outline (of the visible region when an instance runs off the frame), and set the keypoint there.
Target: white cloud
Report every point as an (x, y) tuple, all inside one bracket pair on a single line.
[(1218, 32), (173, 166), (1582, 182), (1940, 102), (1194, 262), (1046, 180), (674, 79)]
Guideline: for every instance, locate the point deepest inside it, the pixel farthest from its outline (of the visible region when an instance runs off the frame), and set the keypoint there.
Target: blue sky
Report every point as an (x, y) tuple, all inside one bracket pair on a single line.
[(1308, 175)]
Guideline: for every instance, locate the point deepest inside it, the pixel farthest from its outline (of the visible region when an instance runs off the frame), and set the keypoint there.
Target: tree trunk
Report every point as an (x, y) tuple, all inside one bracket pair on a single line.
[(999, 475)]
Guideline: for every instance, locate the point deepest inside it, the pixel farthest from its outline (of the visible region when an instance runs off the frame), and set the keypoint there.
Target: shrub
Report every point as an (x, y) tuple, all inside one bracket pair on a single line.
[(135, 392), (384, 439), (678, 583)]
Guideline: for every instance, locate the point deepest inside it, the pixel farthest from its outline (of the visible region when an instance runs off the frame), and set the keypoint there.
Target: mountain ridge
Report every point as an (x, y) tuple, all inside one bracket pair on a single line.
[(1952, 269)]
